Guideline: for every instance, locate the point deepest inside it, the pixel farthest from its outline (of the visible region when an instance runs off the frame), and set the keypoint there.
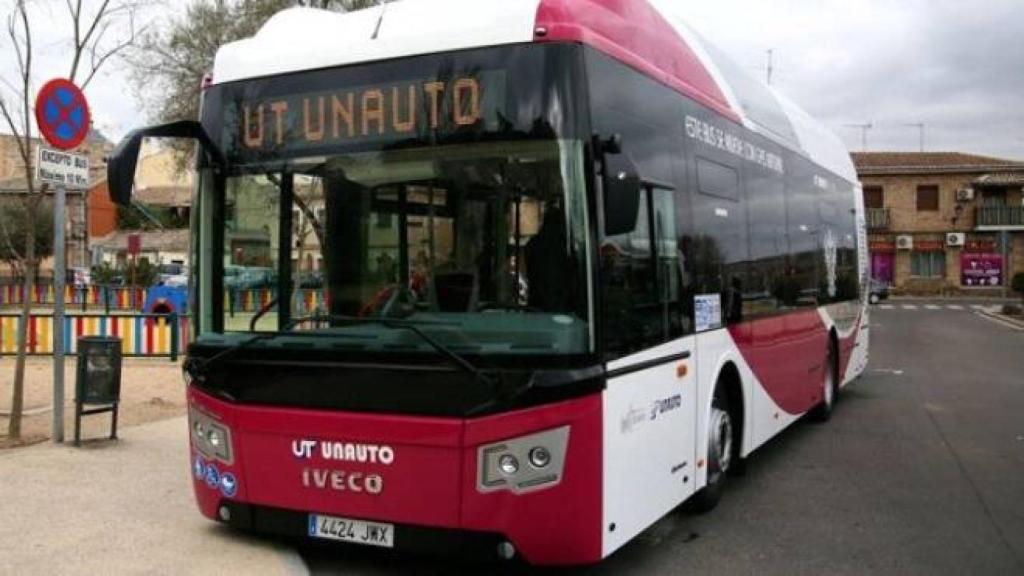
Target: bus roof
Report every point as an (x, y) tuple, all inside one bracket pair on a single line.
[(638, 33)]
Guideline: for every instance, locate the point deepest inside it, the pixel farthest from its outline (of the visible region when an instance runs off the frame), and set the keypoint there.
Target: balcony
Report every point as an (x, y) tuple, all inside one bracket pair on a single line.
[(878, 218), (1000, 217)]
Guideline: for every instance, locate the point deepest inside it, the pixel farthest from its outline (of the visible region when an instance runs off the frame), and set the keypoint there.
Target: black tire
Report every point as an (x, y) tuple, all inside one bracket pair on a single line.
[(723, 452), (830, 393)]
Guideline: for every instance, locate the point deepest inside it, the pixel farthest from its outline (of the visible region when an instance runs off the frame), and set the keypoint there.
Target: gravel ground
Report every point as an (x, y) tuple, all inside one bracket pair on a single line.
[(151, 390)]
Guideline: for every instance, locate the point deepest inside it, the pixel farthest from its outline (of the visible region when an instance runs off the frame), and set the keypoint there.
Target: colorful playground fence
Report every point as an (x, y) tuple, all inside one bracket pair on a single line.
[(120, 298), (308, 300), (252, 300), (141, 334)]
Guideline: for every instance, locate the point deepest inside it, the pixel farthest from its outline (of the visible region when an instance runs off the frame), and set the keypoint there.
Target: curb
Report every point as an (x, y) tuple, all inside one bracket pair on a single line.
[(1007, 321)]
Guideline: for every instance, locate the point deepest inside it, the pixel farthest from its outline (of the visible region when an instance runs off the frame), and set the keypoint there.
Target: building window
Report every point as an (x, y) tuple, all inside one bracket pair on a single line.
[(927, 198), (874, 197), (928, 264)]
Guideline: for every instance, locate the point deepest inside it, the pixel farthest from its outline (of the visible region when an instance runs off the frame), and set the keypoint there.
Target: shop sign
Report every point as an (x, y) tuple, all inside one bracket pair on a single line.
[(928, 245), (981, 269), (980, 246)]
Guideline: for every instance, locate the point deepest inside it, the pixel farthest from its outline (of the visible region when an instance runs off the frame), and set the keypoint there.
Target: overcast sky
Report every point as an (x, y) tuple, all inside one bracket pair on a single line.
[(956, 66)]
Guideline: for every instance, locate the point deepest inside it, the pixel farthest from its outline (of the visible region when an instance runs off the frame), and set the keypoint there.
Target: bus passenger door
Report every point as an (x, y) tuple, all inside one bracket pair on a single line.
[(650, 400)]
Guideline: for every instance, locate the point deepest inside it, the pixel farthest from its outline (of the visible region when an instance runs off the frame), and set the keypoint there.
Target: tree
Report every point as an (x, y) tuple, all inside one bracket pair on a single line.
[(13, 233), (168, 65), (98, 31)]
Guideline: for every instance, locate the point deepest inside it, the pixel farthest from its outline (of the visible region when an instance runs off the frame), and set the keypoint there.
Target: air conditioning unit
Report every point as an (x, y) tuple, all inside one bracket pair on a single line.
[(956, 239), (905, 242), (965, 195)]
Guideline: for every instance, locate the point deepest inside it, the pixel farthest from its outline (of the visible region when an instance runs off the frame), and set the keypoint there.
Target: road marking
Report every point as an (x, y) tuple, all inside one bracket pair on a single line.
[(955, 307), (977, 307), (933, 307), (910, 307), (992, 318), (892, 371), (886, 306)]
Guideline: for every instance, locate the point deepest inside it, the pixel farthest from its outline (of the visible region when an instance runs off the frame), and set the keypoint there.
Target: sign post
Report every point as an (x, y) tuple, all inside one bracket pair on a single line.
[(62, 115)]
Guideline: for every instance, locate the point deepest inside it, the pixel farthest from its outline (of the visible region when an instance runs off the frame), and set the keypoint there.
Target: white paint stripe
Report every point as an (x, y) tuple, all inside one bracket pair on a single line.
[(954, 307), (1000, 321), (977, 307), (886, 306), (933, 307), (909, 307)]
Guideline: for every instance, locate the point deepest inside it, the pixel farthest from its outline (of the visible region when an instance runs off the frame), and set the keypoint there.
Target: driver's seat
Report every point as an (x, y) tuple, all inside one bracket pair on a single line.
[(456, 291)]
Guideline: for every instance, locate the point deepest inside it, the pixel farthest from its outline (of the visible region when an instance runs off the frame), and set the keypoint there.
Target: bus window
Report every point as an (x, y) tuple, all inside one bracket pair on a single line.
[(642, 279), (720, 242)]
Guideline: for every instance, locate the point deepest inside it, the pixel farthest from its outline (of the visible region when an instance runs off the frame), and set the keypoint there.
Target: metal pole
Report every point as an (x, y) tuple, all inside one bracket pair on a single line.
[(1004, 239), (59, 275)]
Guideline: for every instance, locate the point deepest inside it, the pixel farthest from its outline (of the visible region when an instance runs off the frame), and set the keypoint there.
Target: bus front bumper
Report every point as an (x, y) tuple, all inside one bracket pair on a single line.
[(441, 483)]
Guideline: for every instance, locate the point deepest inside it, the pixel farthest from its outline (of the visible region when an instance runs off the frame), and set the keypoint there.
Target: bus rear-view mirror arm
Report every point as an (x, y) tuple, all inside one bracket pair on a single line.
[(125, 157)]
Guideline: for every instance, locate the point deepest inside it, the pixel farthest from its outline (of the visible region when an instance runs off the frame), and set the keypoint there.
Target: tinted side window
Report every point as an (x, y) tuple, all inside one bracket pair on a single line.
[(800, 285), (769, 246), (720, 247)]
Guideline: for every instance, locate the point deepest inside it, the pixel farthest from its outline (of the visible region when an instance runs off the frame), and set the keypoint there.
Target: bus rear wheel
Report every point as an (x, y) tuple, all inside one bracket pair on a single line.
[(830, 389), (721, 454)]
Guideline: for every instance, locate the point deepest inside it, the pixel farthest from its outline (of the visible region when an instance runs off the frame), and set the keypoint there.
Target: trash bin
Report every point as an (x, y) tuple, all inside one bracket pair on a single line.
[(97, 380)]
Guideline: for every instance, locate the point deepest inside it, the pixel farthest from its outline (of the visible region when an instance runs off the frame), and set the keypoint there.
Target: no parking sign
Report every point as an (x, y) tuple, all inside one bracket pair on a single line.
[(62, 114)]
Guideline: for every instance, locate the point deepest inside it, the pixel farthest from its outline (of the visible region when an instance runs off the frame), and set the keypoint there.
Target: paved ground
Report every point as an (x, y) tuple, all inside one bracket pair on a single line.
[(119, 508), (920, 471)]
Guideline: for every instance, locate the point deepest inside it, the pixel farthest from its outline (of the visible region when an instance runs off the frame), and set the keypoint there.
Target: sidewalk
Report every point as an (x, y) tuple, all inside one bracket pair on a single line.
[(121, 507)]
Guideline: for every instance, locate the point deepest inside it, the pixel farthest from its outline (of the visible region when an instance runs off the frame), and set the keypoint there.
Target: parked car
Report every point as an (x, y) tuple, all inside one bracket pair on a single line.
[(877, 291), (248, 277), (174, 275)]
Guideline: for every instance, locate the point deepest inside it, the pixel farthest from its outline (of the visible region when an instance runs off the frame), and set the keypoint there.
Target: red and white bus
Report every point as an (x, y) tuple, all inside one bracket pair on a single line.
[(519, 277)]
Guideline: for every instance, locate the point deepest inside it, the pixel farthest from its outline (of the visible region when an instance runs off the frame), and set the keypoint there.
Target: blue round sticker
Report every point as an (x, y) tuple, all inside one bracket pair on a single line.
[(212, 476), (228, 485)]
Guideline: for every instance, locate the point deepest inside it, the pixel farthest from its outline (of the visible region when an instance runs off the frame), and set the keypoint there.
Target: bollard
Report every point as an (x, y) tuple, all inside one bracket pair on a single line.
[(173, 319)]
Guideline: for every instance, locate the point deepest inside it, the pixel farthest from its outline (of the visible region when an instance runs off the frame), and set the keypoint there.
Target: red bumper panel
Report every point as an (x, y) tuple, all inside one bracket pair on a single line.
[(411, 470)]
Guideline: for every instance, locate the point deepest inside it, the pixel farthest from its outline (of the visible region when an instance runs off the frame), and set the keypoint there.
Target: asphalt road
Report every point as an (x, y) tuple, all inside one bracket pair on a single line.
[(920, 471)]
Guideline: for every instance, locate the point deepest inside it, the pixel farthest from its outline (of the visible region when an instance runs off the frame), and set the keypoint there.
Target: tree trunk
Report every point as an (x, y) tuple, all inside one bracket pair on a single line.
[(18, 393)]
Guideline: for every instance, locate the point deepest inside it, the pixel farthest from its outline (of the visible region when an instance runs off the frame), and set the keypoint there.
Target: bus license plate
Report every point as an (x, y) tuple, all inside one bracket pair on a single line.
[(352, 531)]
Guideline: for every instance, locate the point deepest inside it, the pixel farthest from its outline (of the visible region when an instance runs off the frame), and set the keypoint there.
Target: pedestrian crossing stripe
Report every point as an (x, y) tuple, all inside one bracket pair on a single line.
[(933, 307), (909, 307)]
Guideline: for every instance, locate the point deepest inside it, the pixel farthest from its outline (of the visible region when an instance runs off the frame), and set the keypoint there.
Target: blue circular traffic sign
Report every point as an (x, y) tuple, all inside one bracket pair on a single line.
[(62, 114)]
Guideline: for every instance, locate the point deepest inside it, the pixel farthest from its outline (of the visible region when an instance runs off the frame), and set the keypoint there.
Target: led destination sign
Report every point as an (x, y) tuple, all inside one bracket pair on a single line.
[(381, 113)]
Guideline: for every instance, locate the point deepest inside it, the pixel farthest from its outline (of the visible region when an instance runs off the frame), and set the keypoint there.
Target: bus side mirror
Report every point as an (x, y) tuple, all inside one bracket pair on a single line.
[(621, 194), (121, 168), (125, 157)]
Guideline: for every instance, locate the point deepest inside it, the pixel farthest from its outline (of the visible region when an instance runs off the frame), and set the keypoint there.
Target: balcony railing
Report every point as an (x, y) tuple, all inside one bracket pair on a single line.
[(1000, 216), (878, 218)]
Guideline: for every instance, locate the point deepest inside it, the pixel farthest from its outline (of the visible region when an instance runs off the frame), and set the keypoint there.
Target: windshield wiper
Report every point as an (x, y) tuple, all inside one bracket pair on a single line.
[(414, 327), (199, 368)]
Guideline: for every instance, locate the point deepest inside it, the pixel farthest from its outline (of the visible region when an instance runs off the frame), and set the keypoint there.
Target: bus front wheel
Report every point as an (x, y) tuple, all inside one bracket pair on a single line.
[(722, 453)]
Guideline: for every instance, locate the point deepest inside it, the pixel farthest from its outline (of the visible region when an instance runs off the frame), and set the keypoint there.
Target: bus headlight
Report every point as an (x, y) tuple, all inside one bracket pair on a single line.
[(540, 457), (508, 464), (210, 437), (499, 465)]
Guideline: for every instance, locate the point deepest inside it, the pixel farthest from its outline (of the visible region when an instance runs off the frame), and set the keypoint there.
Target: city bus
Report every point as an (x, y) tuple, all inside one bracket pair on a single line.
[(532, 275)]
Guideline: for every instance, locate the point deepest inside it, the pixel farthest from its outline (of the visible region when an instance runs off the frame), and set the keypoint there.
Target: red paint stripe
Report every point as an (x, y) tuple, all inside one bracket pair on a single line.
[(634, 33), (32, 336), (149, 335)]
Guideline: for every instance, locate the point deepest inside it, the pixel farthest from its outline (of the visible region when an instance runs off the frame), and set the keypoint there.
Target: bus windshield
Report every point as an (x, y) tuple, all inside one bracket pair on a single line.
[(484, 244), (445, 190)]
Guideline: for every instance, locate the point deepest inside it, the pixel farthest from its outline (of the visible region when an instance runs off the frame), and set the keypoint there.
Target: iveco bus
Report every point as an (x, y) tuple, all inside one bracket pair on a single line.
[(537, 273)]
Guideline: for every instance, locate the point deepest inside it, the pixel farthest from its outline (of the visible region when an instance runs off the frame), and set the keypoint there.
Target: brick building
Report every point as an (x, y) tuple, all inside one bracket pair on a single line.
[(13, 187), (943, 222)]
